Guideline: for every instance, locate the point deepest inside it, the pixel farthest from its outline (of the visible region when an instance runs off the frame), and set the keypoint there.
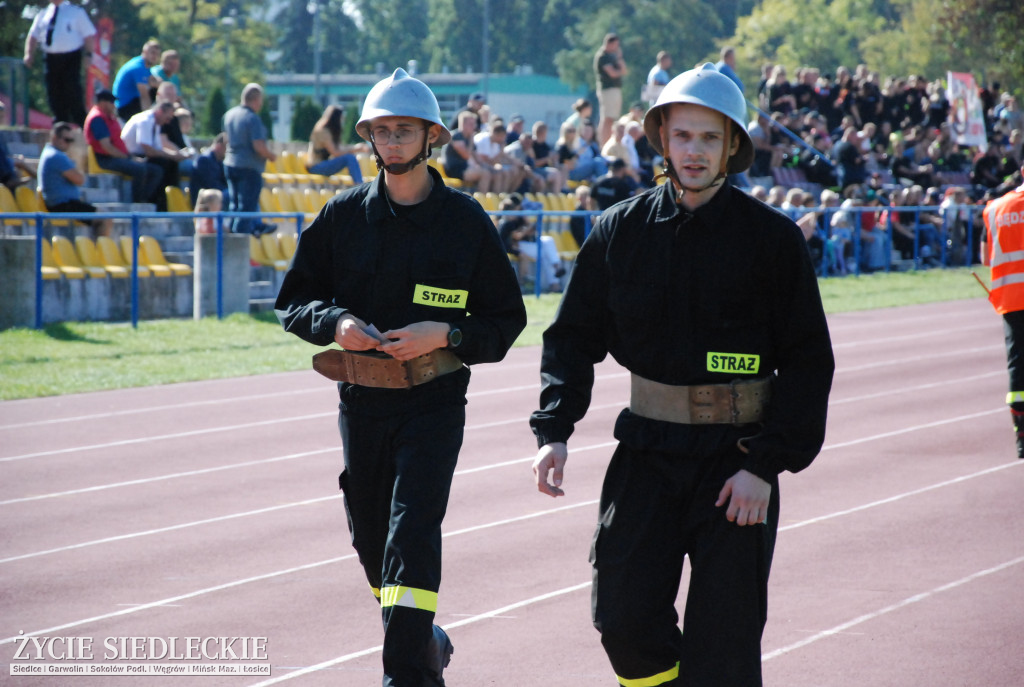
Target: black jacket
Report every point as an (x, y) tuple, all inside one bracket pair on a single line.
[(440, 260), (663, 290)]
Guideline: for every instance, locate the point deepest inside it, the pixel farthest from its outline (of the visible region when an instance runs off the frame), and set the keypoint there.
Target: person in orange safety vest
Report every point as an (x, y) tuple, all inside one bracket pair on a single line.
[(1002, 250)]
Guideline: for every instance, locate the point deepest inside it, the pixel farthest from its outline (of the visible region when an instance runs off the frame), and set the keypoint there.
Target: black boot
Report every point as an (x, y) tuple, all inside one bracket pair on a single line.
[(1018, 426), (440, 652)]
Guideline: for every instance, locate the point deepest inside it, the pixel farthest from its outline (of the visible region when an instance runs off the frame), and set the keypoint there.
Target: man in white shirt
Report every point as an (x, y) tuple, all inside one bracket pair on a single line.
[(63, 31), (141, 135)]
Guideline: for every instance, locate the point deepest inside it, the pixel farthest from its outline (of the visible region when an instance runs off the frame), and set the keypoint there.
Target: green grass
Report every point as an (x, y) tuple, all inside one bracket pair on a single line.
[(85, 356)]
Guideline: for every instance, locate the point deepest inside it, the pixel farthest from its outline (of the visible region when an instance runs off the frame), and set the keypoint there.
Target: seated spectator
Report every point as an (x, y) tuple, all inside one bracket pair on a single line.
[(60, 178), (759, 192), (767, 155), (473, 105), (614, 186), (208, 170), (11, 166), (521, 151), (817, 168), (168, 70), (103, 134), (507, 173), (185, 121), (520, 238), (326, 154), (141, 135), (209, 200), (776, 196), (578, 224), (546, 160), (514, 129), (133, 81), (780, 92), (643, 157), (619, 146), (904, 168), (793, 203), (458, 157), (850, 164), (986, 169), (582, 111), (581, 163)]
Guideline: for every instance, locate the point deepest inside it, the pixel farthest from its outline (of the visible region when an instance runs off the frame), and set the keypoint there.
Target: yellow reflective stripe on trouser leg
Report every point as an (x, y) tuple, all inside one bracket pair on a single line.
[(409, 597), (376, 592), (653, 680), (1015, 397)]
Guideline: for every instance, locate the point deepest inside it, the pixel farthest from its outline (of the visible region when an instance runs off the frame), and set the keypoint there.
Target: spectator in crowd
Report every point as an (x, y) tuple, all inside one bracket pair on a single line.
[(814, 161), (169, 69), (515, 126), (581, 112), (759, 192), (762, 85), (546, 159), (767, 155), (658, 76), (580, 225), (208, 170), (60, 178), (1010, 117), (185, 121), (507, 172), (208, 200), (133, 81), (986, 169), (63, 32), (473, 105), (727, 65), (246, 157), (142, 137), (849, 159), (776, 196), (803, 89), (621, 147), (609, 67), (103, 134), (613, 186), (458, 157), (904, 166), (780, 92), (521, 152), (582, 163), (12, 166), (519, 234), (326, 154)]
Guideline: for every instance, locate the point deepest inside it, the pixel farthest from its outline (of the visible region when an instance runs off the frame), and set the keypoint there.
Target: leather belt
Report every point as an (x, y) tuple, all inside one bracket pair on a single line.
[(384, 372), (736, 403)]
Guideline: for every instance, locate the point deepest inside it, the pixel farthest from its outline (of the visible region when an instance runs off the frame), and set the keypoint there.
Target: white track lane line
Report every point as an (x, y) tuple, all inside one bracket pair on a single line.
[(889, 609), (268, 576)]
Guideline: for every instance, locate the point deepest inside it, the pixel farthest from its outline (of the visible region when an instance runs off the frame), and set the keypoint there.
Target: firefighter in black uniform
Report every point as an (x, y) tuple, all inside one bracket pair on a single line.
[(410, 279), (708, 297)]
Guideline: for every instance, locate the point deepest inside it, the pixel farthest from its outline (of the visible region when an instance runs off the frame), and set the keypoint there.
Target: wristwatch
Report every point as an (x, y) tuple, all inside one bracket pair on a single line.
[(454, 336)]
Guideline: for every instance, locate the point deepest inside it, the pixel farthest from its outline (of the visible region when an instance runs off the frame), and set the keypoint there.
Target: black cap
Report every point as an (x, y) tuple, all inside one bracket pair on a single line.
[(105, 95), (478, 96)]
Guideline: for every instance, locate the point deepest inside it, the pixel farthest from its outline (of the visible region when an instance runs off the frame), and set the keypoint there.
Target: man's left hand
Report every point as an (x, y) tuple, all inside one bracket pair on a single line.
[(415, 340), (747, 497)]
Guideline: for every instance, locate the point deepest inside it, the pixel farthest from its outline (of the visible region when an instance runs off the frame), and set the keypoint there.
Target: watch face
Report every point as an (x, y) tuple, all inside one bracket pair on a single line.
[(454, 337)]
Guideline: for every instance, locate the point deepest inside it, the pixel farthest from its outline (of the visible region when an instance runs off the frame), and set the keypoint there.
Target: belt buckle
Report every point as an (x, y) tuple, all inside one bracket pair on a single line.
[(734, 395)]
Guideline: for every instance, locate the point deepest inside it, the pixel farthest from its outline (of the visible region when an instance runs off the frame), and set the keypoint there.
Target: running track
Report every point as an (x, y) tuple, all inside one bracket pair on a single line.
[(211, 509)]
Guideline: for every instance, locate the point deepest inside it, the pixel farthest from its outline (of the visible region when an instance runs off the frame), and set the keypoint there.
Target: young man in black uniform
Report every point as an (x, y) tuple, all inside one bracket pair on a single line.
[(709, 299), (410, 278)]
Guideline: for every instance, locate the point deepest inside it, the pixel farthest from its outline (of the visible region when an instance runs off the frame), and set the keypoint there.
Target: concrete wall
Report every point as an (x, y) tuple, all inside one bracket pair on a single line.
[(236, 274)]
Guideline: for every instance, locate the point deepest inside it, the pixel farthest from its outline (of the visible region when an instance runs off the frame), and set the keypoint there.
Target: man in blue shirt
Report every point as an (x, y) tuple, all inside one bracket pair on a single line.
[(727, 65), (246, 158), (59, 178), (208, 171), (133, 81)]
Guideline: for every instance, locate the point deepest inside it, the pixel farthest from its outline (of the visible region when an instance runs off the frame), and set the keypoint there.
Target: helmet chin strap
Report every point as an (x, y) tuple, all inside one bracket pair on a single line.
[(673, 176), (399, 168)]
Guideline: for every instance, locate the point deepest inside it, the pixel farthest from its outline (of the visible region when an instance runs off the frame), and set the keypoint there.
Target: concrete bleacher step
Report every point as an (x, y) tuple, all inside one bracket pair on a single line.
[(100, 195)]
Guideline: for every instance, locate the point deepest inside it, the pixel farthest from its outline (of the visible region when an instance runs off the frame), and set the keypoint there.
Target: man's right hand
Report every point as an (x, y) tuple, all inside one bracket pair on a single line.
[(349, 334), (550, 459)]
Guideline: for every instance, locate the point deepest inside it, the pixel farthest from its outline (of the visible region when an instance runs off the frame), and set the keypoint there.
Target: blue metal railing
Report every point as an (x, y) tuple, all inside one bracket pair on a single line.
[(136, 218)]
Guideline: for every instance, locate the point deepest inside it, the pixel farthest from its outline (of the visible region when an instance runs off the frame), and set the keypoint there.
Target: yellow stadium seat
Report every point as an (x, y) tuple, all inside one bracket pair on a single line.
[(284, 200), (313, 200), (30, 200), (8, 204), (51, 270), (287, 241), (66, 257), (126, 252), (367, 165), (93, 167), (91, 257), (259, 256), (110, 254), (151, 254), (271, 248), (176, 200), (270, 167)]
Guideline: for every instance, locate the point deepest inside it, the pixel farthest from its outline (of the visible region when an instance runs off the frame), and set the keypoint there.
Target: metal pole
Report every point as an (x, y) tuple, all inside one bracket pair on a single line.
[(317, 63), (39, 271), (220, 266), (135, 271), (485, 59)]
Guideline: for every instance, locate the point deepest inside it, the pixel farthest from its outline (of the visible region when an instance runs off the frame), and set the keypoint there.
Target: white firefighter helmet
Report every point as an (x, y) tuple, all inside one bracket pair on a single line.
[(400, 95)]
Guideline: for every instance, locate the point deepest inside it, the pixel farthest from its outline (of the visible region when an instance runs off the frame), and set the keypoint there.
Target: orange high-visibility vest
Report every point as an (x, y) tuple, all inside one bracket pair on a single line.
[(1004, 223)]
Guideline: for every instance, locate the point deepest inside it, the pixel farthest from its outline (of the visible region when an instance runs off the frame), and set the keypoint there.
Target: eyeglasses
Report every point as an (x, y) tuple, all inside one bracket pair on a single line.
[(69, 140), (399, 137)]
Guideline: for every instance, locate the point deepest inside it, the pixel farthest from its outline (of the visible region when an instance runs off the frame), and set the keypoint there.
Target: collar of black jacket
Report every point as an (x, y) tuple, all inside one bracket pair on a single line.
[(378, 208), (711, 212)]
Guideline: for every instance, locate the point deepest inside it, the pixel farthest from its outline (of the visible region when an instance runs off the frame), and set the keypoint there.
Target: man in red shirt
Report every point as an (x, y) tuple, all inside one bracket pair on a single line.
[(103, 133)]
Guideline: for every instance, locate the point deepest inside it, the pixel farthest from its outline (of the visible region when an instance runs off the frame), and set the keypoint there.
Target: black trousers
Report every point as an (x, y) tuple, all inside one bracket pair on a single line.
[(63, 73), (657, 508), (398, 473), (1013, 330)]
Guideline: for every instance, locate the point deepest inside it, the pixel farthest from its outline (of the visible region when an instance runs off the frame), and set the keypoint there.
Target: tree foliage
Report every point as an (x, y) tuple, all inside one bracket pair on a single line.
[(227, 43)]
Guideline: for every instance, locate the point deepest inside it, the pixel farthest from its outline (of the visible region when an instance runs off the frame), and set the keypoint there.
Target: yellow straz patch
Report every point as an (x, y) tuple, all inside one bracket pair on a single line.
[(440, 298), (736, 363)]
